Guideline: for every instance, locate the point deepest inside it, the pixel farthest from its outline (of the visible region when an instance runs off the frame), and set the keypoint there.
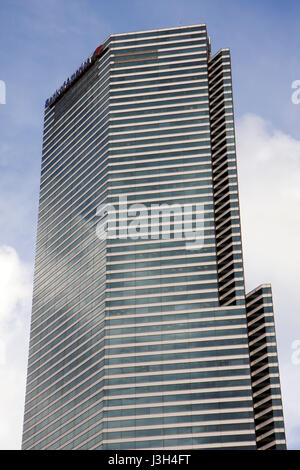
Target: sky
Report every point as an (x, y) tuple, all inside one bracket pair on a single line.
[(44, 42)]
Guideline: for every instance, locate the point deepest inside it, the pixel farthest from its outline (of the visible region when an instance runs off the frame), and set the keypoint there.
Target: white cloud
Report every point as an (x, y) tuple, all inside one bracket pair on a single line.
[(15, 304), (269, 176)]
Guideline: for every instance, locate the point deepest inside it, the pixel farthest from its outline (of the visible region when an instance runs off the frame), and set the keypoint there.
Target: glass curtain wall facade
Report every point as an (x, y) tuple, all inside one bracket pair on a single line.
[(145, 342)]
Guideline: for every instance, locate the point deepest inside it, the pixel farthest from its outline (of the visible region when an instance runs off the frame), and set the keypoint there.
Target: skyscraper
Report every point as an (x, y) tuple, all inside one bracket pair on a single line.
[(142, 335)]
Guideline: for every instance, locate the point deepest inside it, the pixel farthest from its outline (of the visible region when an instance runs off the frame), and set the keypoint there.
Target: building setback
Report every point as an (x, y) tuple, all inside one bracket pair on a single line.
[(146, 342)]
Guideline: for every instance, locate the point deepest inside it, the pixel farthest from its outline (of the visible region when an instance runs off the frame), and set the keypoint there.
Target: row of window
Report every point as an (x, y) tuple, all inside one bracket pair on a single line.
[(47, 376), (69, 265), (75, 336), (84, 135), (136, 421), (140, 92), (165, 48), (160, 133), (109, 395), (62, 167), (191, 313), (55, 351), (158, 65), (198, 70), (155, 57), (142, 432), (87, 213), (85, 176), (98, 400), (92, 322), (93, 99), (88, 365)]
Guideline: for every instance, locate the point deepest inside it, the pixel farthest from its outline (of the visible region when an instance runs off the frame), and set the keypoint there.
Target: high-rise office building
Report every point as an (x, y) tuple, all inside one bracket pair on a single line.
[(142, 335)]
